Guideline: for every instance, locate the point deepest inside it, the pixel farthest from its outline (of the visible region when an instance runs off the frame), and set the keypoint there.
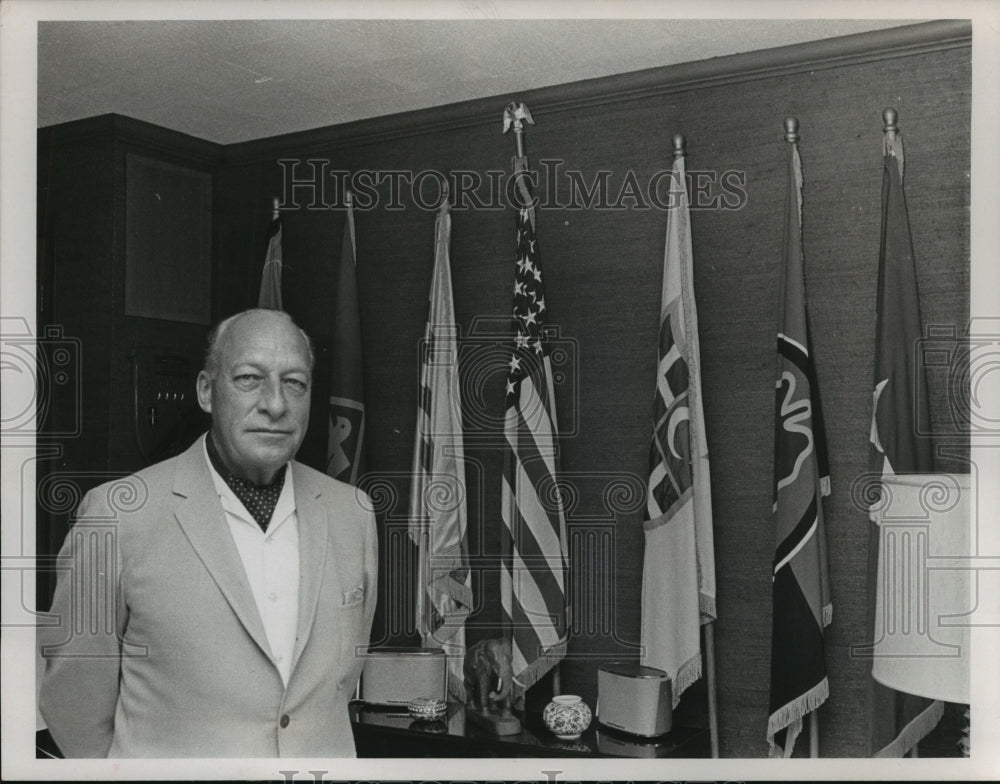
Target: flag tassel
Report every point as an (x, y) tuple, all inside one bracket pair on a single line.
[(914, 732), (789, 717)]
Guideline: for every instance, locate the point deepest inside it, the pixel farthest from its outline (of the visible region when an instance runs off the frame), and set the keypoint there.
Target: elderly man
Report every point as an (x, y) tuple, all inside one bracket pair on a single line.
[(223, 610)]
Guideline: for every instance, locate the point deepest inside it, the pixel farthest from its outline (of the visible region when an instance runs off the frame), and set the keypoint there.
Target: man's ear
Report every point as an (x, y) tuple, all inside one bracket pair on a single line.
[(205, 392)]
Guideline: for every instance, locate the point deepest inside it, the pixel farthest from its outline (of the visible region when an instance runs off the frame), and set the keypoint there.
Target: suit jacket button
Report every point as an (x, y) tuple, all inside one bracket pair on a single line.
[(284, 721)]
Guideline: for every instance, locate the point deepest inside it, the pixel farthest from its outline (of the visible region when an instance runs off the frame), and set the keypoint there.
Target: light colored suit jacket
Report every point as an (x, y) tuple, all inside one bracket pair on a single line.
[(159, 650)]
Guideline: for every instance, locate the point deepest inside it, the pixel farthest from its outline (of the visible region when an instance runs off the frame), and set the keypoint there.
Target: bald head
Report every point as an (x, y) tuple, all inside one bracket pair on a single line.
[(254, 318)]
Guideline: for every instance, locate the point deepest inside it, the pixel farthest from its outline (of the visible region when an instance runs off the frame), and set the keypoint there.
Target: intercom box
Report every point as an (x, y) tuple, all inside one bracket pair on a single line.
[(396, 675), (635, 699)]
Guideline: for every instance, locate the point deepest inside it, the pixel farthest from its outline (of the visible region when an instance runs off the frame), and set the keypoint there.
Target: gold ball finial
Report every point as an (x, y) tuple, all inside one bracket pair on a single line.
[(890, 117), (791, 129), (679, 145)]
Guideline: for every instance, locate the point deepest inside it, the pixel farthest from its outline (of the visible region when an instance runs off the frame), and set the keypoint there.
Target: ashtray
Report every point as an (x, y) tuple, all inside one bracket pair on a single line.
[(427, 708)]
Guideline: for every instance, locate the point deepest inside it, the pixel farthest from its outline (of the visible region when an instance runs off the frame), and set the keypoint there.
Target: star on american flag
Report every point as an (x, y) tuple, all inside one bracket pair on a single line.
[(529, 303)]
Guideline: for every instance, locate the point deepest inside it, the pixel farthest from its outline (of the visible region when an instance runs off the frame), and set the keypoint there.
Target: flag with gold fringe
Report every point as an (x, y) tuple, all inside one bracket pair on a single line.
[(678, 577), (800, 586), (437, 523), (899, 414)]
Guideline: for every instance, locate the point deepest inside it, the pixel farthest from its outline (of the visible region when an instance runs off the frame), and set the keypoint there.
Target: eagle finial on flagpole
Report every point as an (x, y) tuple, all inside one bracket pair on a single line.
[(515, 115)]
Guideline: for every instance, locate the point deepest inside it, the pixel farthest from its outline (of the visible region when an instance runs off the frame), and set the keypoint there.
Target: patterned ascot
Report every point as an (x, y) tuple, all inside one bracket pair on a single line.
[(259, 500)]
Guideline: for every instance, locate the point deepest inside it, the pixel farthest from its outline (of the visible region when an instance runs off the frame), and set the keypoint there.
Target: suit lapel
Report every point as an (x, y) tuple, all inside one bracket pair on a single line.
[(204, 523), (313, 531)]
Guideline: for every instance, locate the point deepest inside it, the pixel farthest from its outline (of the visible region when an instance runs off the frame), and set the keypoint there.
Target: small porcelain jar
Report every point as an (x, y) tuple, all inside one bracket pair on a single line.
[(567, 716), (427, 709)]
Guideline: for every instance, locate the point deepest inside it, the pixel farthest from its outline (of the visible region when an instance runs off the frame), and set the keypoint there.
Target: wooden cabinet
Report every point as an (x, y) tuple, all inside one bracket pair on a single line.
[(125, 269)]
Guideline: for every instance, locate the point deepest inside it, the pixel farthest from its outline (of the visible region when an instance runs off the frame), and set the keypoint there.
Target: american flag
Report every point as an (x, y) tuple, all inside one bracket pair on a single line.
[(533, 577)]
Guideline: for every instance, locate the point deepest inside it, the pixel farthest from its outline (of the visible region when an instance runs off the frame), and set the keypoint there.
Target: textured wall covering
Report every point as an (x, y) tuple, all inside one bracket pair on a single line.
[(603, 271)]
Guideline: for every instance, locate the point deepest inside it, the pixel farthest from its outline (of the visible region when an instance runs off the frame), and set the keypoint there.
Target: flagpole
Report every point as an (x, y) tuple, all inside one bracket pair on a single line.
[(275, 209), (792, 137), (890, 128), (445, 205), (713, 711), (708, 628)]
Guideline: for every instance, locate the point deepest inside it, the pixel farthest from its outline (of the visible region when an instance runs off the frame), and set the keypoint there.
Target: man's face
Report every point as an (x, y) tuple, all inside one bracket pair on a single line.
[(259, 397)]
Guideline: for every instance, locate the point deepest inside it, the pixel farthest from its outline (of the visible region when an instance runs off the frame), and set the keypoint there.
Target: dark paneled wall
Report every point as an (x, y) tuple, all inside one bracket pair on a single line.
[(603, 269)]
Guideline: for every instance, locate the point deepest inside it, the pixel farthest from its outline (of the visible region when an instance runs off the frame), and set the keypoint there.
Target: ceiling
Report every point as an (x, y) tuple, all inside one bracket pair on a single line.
[(231, 81)]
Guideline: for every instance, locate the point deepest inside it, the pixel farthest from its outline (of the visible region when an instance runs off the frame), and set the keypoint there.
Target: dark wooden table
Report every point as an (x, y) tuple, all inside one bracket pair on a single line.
[(391, 732)]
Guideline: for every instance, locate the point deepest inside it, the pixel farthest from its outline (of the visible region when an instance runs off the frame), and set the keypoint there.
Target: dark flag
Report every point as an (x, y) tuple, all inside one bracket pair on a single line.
[(533, 538), (437, 496), (899, 413), (800, 587), (345, 443), (270, 279)]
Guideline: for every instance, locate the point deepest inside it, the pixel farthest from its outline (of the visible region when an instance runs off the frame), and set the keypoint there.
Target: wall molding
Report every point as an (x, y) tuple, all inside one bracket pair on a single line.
[(891, 43)]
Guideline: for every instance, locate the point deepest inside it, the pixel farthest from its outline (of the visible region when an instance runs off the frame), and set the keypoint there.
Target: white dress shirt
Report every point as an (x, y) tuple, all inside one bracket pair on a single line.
[(271, 563)]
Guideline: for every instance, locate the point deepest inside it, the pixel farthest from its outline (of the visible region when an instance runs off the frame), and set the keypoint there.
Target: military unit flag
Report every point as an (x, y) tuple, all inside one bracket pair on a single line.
[(800, 578), (437, 523), (346, 430), (678, 578), (533, 536)]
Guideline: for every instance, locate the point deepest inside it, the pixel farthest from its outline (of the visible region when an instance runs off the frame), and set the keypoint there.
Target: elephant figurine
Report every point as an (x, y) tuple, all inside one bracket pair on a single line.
[(488, 665)]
